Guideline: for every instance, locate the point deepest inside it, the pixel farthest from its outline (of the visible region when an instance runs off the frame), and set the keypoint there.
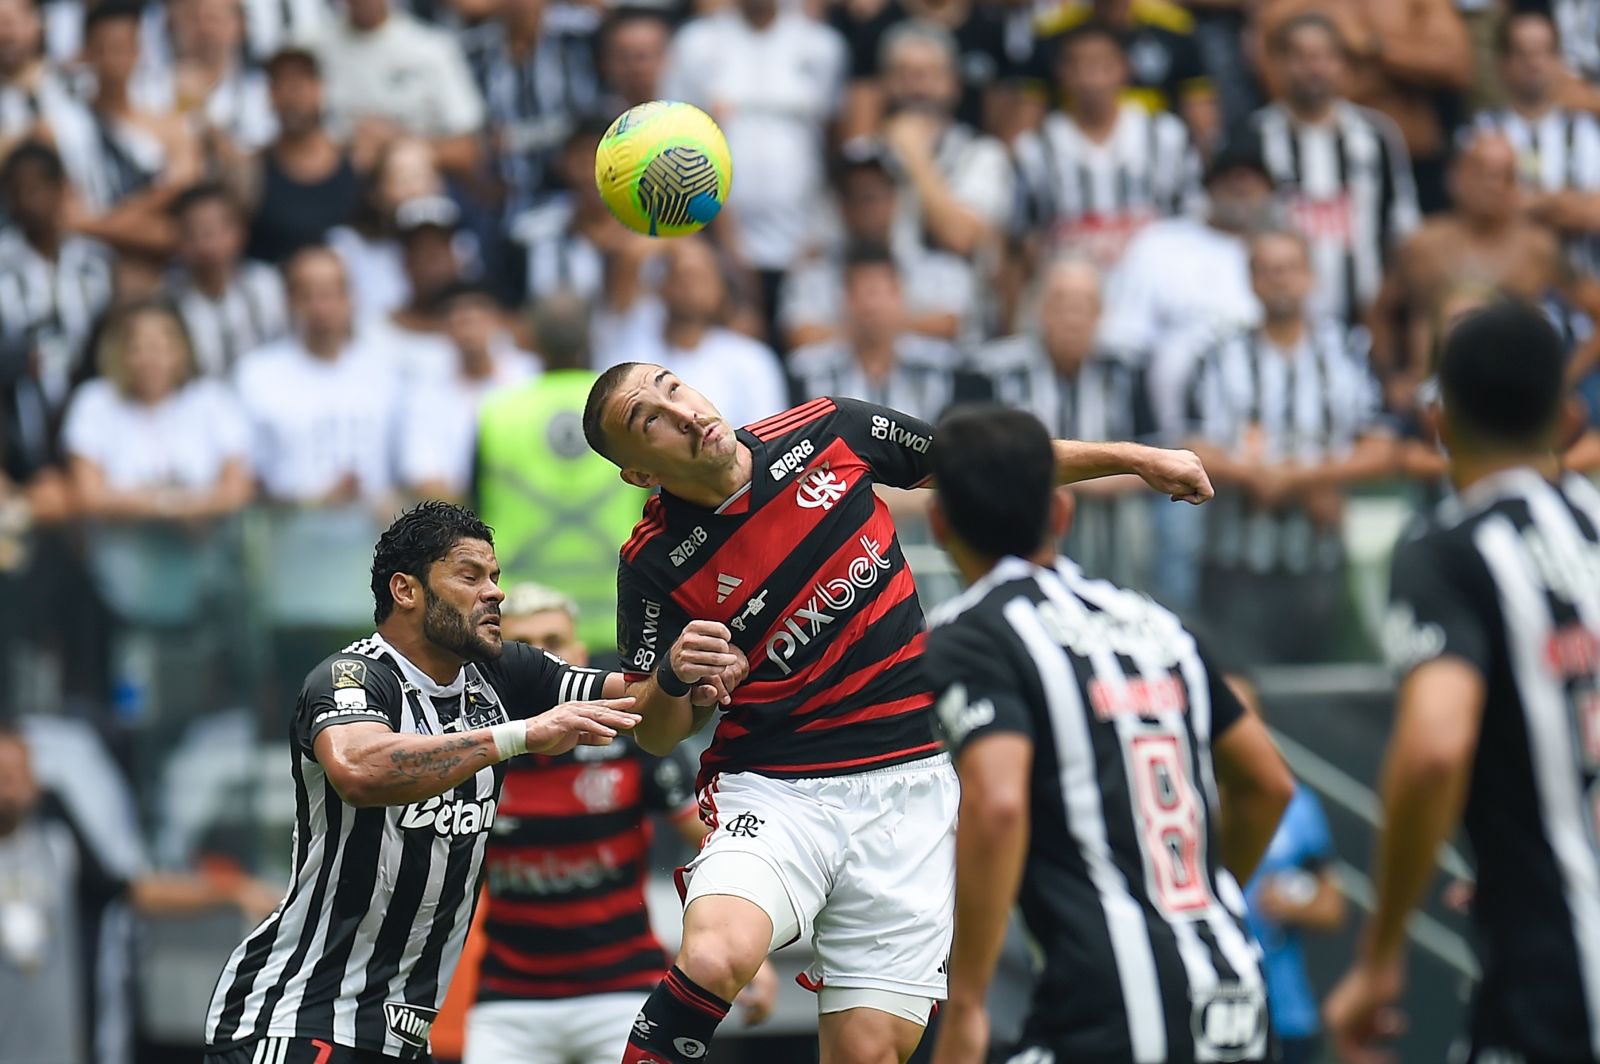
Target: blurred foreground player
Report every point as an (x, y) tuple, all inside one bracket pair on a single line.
[(1495, 621), (1110, 780), (569, 952), (830, 803), (398, 745)]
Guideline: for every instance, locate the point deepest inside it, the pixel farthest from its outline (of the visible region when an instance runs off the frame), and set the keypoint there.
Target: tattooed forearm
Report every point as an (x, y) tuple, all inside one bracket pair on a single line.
[(439, 762)]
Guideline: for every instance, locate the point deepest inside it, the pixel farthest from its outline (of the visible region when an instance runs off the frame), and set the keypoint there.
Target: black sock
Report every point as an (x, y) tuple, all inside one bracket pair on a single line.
[(676, 1024)]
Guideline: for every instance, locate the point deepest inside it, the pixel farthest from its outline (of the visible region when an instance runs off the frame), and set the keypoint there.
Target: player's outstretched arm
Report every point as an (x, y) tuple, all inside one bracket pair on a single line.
[(699, 672), (371, 765), (1179, 474)]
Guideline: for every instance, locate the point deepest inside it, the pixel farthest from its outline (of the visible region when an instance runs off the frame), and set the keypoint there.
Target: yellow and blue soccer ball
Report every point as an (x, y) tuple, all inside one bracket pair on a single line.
[(664, 168)]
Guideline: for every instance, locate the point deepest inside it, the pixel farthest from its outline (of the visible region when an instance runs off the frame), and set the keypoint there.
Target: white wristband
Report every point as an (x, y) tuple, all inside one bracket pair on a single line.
[(510, 738)]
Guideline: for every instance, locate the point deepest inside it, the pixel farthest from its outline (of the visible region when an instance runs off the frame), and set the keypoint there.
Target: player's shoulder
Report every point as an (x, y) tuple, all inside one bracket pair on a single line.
[(650, 528), (985, 600), (358, 667), (809, 417)]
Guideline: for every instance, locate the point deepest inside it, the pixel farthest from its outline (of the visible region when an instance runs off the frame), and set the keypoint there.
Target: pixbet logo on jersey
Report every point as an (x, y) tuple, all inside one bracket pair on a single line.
[(885, 429), (793, 461), (837, 595)]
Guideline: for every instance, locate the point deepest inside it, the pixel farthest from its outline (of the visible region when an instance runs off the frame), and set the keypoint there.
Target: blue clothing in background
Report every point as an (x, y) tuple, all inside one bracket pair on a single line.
[(1302, 842)]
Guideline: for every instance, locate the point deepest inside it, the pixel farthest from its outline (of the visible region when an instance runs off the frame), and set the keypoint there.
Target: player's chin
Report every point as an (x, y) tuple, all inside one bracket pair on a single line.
[(491, 644)]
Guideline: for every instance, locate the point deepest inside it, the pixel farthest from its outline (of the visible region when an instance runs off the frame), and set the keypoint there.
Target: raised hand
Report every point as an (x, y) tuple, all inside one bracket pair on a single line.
[(580, 723), (1179, 474)]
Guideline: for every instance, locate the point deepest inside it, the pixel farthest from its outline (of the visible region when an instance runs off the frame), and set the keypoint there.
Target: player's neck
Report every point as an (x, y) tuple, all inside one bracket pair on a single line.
[(720, 485), (436, 663), (974, 567), (1467, 470)]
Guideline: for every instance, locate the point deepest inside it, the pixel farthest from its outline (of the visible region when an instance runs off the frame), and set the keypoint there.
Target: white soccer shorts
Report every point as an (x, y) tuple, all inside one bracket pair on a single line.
[(583, 1030), (867, 860)]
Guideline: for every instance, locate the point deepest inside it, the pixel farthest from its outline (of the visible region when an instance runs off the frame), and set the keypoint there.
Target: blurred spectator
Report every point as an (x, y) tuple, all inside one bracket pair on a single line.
[(405, 171), (1058, 372), (230, 305), (1286, 420), (35, 100), (389, 75), (53, 874), (304, 184), (143, 157), (412, 336), (632, 47), (1558, 150), (1579, 24), (534, 64), (212, 85), (957, 182), (683, 331), (150, 438), (52, 284), (437, 463), (1401, 57), (877, 359), (772, 77), (1099, 171), (1342, 169), (1484, 240), (562, 244), (1165, 72), (938, 285), (321, 403), (558, 509)]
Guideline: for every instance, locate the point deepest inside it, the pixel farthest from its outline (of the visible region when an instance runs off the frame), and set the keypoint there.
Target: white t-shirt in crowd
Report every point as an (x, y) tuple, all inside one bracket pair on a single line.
[(774, 92), (447, 405), (411, 354), (411, 74), (184, 441), (315, 420), (742, 377), (1179, 282)]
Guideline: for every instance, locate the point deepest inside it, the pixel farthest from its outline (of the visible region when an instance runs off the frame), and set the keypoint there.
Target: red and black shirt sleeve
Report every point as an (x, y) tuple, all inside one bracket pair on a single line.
[(893, 444)]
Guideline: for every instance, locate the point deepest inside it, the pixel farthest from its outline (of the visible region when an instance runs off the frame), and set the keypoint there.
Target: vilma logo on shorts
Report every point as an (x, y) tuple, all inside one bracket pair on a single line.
[(745, 825)]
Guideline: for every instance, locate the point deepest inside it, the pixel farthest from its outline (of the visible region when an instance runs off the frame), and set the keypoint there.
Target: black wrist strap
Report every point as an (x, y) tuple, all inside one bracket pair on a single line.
[(670, 683)]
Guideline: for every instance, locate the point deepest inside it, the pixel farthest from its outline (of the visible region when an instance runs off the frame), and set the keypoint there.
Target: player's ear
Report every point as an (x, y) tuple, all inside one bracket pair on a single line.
[(406, 590), (638, 479), (1063, 505)]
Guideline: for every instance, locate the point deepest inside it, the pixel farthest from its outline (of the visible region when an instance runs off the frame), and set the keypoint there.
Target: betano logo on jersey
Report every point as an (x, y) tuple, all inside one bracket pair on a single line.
[(823, 488), (885, 429), (793, 461), (685, 550), (460, 817), (837, 594)]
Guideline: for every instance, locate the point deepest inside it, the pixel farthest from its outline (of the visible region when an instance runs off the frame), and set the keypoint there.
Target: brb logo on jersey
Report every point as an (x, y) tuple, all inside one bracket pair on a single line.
[(446, 818), (822, 488), (837, 595), (793, 461), (685, 550), (885, 429)]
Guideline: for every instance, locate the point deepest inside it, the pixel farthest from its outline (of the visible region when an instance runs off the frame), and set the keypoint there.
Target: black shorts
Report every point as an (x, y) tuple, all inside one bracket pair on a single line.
[(301, 1051)]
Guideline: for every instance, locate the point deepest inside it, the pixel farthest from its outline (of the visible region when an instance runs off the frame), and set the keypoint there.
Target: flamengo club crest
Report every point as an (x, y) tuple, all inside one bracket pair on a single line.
[(598, 787), (821, 488)]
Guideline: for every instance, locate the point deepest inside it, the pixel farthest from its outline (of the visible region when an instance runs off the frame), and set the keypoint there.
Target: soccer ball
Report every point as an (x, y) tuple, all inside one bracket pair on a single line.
[(663, 168)]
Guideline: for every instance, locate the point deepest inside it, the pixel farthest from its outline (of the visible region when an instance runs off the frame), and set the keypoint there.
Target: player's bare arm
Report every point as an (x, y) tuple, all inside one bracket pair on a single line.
[(699, 673), (1255, 788), (371, 765), (1179, 474), (1424, 788), (991, 845)]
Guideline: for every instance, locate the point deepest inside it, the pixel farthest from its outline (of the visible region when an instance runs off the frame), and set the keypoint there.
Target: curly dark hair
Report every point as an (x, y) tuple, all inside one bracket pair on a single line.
[(419, 537)]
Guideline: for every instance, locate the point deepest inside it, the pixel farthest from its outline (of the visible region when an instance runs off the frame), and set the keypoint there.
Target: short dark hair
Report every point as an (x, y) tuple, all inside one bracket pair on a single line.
[(599, 395), (1092, 30), (1508, 26), (419, 537), (1304, 20), (994, 471), (203, 193), (32, 153), (1501, 375), (622, 15), (111, 11), (866, 254)]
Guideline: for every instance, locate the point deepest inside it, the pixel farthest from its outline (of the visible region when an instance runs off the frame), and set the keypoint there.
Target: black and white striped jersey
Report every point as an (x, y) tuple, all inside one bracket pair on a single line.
[(1347, 185), (532, 102), (921, 382), (1507, 579), (53, 304), (1093, 197), (1147, 957), (544, 253), (1578, 26), (251, 312), (361, 949), (1306, 406), (1558, 152)]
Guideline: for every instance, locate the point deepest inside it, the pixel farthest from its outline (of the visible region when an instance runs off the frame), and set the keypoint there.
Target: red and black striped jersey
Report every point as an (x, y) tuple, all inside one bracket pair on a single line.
[(566, 868), (805, 567)]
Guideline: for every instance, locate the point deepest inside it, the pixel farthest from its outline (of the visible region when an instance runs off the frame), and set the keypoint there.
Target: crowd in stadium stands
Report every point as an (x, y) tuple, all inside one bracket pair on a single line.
[(271, 268)]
